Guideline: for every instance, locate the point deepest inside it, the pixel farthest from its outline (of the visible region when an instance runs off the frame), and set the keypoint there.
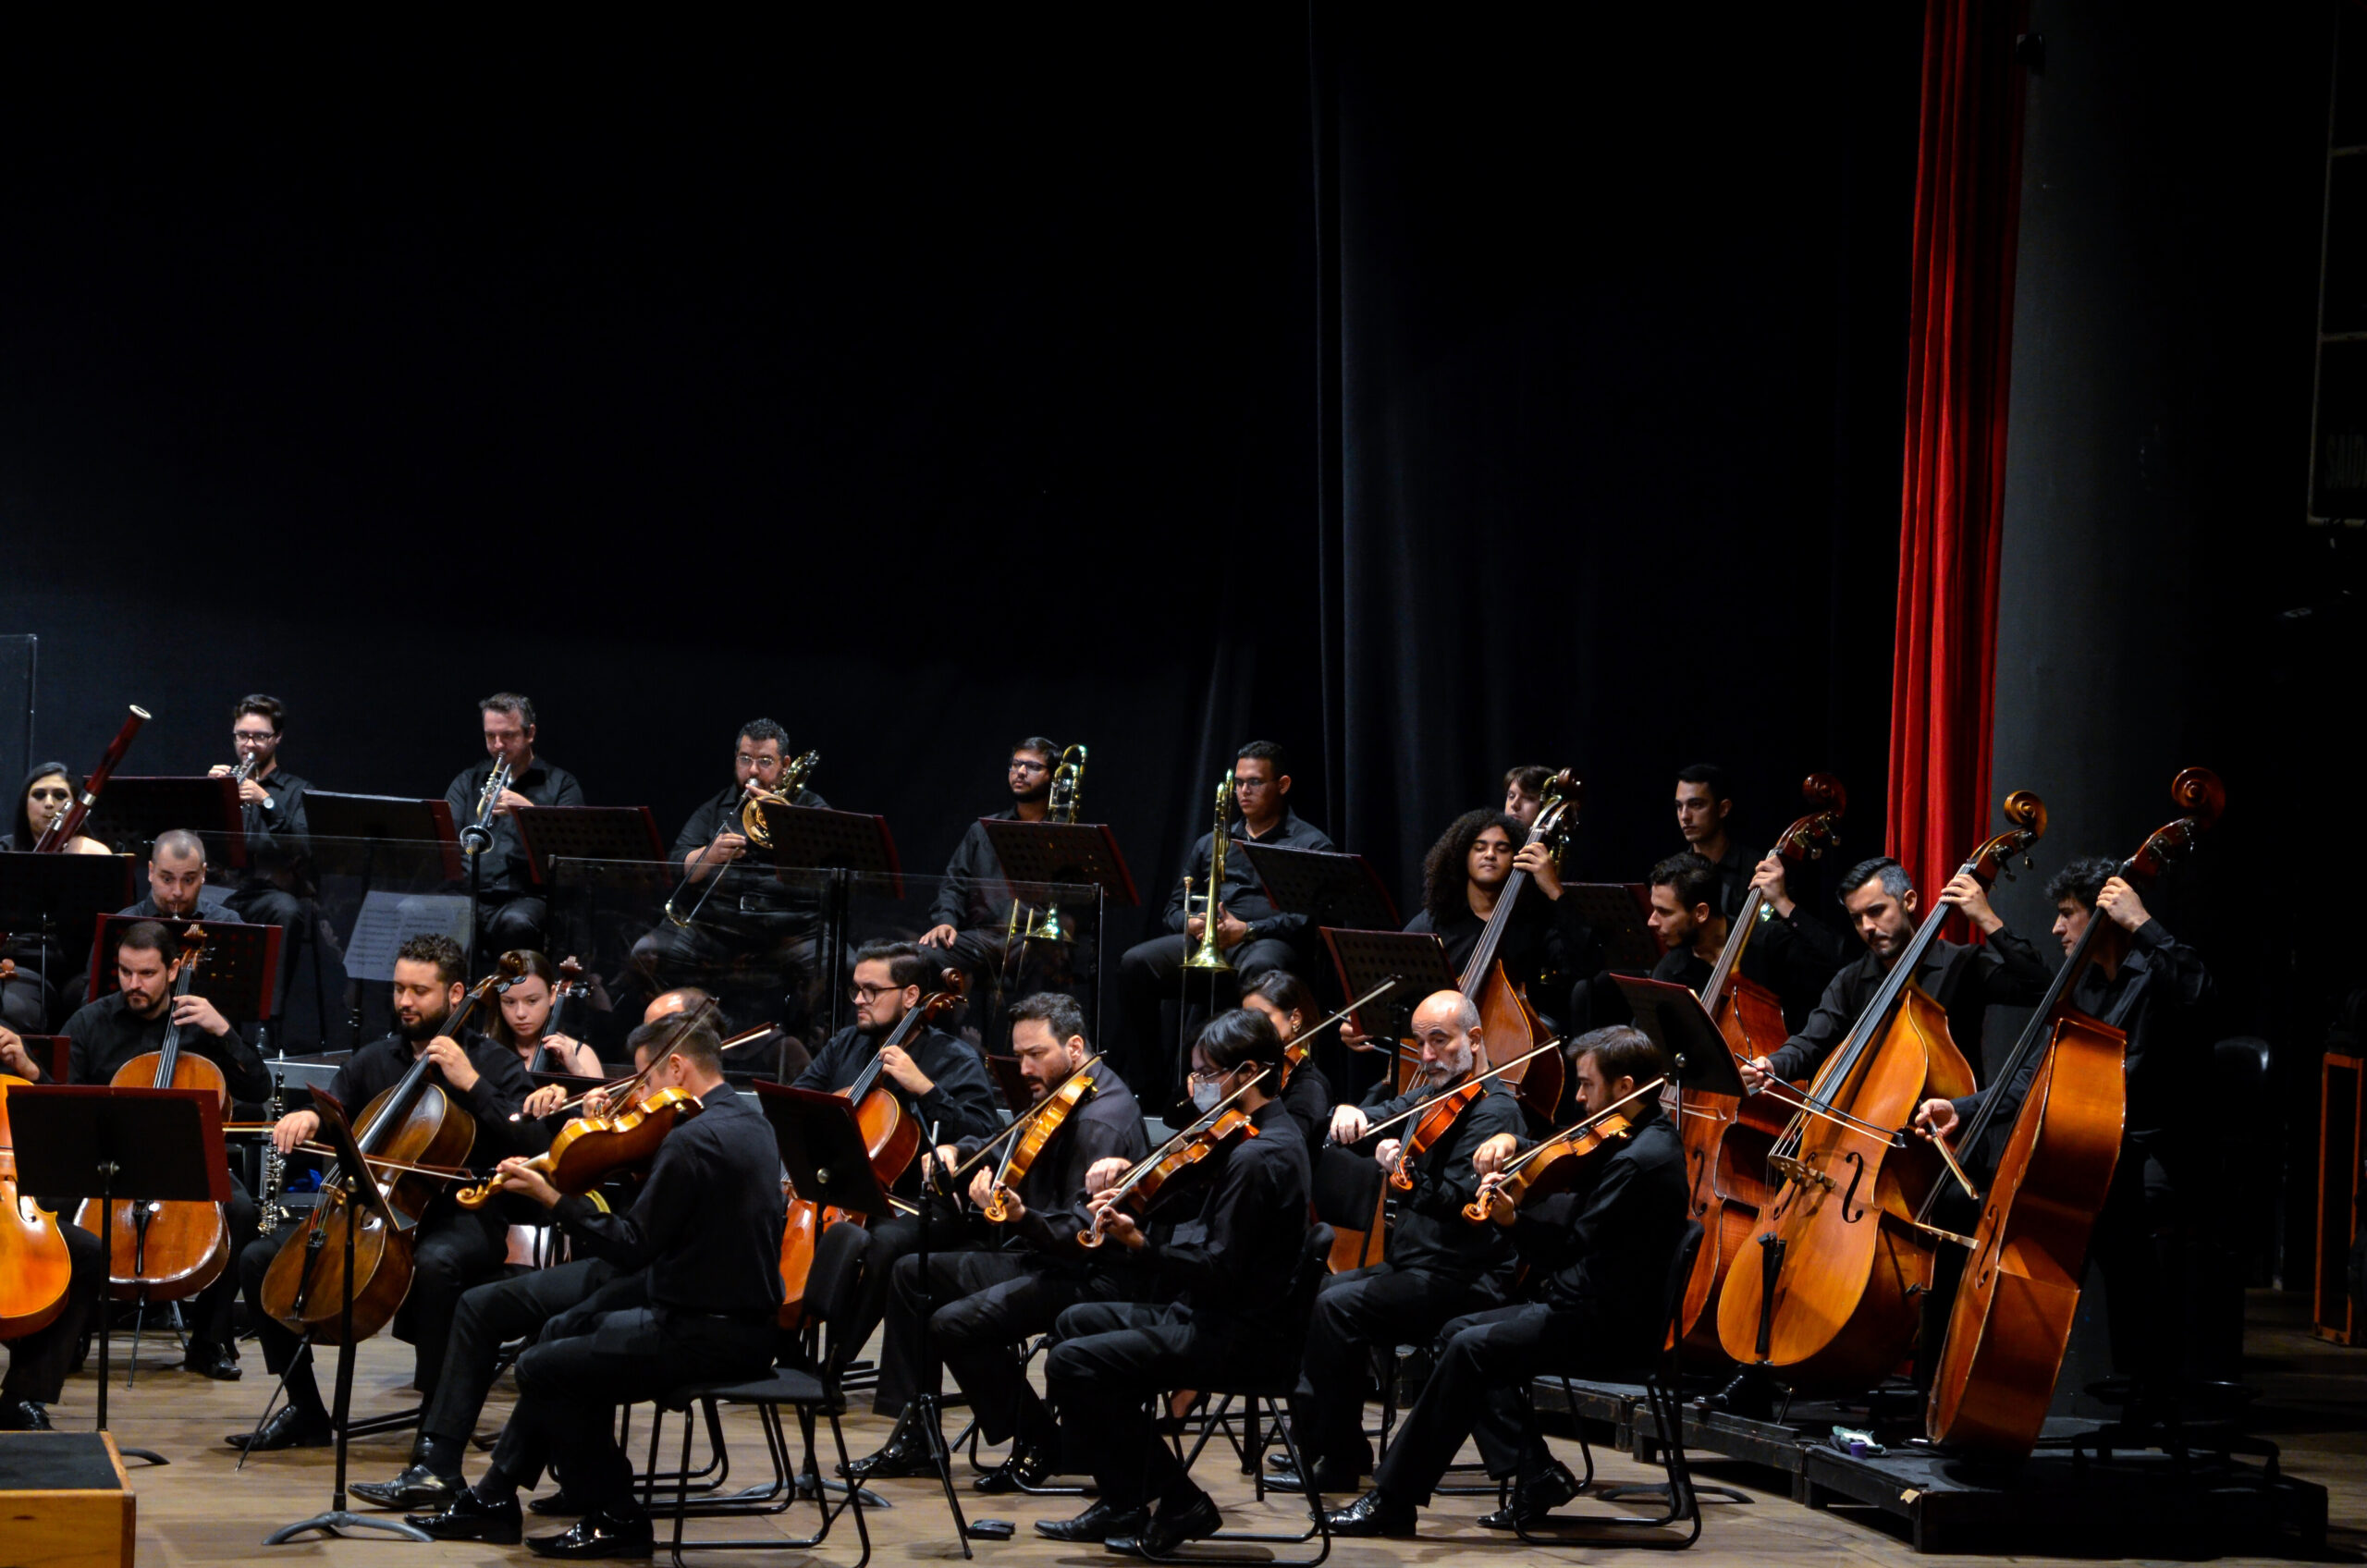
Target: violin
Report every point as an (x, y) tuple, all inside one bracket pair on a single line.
[(1549, 1168), (1042, 1120), (1175, 1159), (167, 1250), (589, 1149), (1434, 1118)]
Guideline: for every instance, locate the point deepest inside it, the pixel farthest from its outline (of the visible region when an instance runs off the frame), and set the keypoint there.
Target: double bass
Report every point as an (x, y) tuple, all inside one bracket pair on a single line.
[(2011, 1320), (167, 1251), (407, 1132), (1841, 1260), (1727, 1140), (34, 1265)]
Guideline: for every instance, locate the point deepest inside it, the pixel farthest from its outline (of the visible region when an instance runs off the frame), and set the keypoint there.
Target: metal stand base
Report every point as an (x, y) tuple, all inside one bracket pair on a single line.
[(337, 1521)]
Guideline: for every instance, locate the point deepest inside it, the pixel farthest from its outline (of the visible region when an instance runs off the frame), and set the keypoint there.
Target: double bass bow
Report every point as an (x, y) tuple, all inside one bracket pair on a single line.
[(2011, 1320), (1841, 1260)]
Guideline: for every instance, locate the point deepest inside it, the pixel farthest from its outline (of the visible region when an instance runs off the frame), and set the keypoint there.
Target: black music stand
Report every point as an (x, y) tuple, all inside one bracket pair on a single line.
[(1330, 889), (1415, 961), (553, 833), (132, 812), (338, 1518), (373, 820), (238, 969), (61, 897), (93, 1141), (1674, 1019), (1057, 854), (850, 843), (1610, 909)]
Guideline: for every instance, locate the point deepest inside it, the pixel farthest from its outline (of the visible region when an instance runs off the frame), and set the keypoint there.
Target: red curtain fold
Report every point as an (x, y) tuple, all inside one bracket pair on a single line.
[(1959, 341)]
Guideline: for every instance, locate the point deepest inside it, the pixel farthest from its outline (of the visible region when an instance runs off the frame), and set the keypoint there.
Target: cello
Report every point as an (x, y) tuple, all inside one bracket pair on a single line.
[(412, 1127), (34, 1265), (1727, 1140), (1841, 1260), (2011, 1320), (167, 1251)]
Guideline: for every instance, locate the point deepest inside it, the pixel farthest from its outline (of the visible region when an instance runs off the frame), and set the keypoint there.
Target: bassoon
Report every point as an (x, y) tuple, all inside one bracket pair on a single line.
[(61, 832)]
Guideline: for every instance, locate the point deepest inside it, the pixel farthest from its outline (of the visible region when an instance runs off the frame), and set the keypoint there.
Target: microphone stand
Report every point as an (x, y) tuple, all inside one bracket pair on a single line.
[(926, 1412)]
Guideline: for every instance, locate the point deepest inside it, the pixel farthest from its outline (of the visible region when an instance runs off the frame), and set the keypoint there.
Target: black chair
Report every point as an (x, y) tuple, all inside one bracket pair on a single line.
[(1663, 1393), (829, 1296)]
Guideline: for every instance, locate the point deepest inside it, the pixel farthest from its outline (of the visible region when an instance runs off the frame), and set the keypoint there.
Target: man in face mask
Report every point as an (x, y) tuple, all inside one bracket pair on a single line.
[(1437, 1267)]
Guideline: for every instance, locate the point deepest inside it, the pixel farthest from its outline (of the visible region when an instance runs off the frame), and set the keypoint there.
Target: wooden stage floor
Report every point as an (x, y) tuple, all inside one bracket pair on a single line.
[(196, 1511)]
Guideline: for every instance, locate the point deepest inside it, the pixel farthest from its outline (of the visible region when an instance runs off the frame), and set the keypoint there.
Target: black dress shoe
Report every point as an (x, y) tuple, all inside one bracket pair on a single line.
[(902, 1456), (1029, 1465), (217, 1362), (417, 1486), (597, 1535), (1170, 1528), (23, 1416), (1329, 1478), (469, 1517), (1099, 1522), (1534, 1499), (1371, 1514), (560, 1504), (288, 1427)]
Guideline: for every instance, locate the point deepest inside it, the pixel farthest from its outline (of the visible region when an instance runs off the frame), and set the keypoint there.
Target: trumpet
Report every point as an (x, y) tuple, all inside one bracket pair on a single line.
[(1209, 955), (752, 810), (477, 836)]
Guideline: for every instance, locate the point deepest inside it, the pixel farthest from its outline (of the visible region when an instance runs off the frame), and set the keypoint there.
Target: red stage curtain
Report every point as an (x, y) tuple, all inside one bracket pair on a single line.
[(1959, 340)]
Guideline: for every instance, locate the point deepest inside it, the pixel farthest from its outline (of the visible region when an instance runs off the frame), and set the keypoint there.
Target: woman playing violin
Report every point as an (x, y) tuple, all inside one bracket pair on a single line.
[(1289, 1006)]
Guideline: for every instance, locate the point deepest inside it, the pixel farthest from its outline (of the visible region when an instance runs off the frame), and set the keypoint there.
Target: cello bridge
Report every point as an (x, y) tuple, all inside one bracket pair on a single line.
[(1802, 1172)]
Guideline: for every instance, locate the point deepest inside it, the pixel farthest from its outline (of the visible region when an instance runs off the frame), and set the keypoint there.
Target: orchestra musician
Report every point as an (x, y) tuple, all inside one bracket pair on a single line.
[(1439, 1266), (1253, 935), (272, 811), (1524, 791), (1685, 917), (1598, 1259), (703, 1242), (37, 1361), (1229, 1288), (509, 914), (29, 999), (1289, 1006), (2149, 985), (177, 885), (989, 1299), (973, 903), (453, 1248), (1793, 953), (523, 1022)]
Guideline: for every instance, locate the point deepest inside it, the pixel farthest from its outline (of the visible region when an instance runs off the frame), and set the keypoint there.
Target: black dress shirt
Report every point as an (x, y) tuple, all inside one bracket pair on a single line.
[(753, 871), (106, 1033), (708, 1222), (1431, 1232), (1237, 1268), (1682, 966), (1108, 1125), (507, 867), (501, 1088), (961, 1101), (1964, 980), (212, 909), (975, 892), (1604, 1248), (1794, 956), (281, 813), (1243, 894), (1307, 1095), (1544, 937)]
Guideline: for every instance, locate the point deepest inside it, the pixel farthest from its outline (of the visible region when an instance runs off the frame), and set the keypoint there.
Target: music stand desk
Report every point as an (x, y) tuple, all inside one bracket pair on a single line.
[(816, 839), (1054, 854), (1674, 1019), (1610, 911), (136, 809), (823, 1147), (238, 969), (1328, 887), (1415, 960), (65, 893), (603, 833)]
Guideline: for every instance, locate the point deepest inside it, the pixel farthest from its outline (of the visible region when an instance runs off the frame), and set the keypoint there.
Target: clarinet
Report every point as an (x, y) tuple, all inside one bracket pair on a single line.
[(274, 1170)]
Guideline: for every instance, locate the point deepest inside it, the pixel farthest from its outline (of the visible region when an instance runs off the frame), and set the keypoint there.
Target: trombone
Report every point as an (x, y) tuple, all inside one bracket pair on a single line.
[(1209, 955), (752, 827), (1024, 925)]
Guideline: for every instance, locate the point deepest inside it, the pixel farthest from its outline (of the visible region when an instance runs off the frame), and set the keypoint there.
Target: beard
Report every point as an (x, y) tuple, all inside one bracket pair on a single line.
[(426, 1029)]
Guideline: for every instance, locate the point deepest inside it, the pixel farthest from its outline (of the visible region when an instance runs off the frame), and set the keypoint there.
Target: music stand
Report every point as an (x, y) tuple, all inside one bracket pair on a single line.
[(1050, 855), (1674, 1019), (1610, 911), (553, 833), (376, 819), (1415, 960), (93, 1141), (237, 969), (338, 1518), (849, 843), (1328, 887), (135, 810), (61, 897)]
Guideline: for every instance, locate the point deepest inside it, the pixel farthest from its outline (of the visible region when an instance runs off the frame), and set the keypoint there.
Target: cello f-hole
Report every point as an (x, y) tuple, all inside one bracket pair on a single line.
[(1856, 1174)]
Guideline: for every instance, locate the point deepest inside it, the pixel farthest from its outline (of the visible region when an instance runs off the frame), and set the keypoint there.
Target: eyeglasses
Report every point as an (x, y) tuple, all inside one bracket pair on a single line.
[(254, 734), (861, 994), (1219, 1076), (1029, 767)]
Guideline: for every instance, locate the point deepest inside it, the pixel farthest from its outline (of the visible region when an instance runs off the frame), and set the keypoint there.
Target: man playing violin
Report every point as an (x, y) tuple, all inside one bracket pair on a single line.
[(1439, 1265), (1598, 1257), (453, 1248), (1227, 1315), (702, 1245), (1029, 1268), (2145, 981), (509, 914)]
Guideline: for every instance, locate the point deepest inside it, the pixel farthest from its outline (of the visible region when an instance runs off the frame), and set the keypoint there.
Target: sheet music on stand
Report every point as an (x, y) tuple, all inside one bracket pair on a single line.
[(237, 970), (1416, 960), (587, 833), (391, 819), (1330, 889), (1056, 854), (816, 839), (1609, 908), (132, 811), (388, 919)]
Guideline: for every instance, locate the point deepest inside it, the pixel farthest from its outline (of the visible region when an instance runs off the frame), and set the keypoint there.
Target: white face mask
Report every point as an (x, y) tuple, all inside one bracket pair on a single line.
[(1206, 1096)]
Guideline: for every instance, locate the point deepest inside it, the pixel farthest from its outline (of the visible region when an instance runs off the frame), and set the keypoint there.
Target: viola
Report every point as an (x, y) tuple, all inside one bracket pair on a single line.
[(1181, 1156), (35, 1266), (1043, 1121), (167, 1250), (589, 1149), (2011, 1320), (1552, 1165), (1841, 1261)]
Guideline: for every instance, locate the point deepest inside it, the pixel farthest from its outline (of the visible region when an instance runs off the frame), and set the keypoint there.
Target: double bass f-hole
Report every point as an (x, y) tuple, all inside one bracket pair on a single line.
[(1856, 1174)]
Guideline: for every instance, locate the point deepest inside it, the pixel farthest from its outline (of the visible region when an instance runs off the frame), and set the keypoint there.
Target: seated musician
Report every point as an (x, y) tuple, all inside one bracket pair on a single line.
[(131, 1022), (1228, 1291), (177, 885), (272, 808), (31, 998), (1439, 1265), (1597, 1260), (1254, 935), (39, 1360), (1524, 791), (1289, 1006), (2148, 984), (1794, 954), (1685, 919), (523, 1022), (989, 1299), (453, 1248), (973, 905), (703, 1236), (941, 1081), (509, 912)]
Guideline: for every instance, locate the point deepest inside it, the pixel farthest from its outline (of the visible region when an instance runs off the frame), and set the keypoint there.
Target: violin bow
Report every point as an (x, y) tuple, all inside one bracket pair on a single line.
[(1494, 1072)]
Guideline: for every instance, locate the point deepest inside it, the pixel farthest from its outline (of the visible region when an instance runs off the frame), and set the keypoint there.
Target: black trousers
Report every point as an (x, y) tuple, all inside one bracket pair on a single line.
[(1385, 1305), (1151, 972), (509, 920), (989, 1304), (209, 1314), (451, 1251), (2142, 1244), (886, 1242), (37, 1362), (568, 1388), (1482, 1357), (1112, 1357), (490, 1316)]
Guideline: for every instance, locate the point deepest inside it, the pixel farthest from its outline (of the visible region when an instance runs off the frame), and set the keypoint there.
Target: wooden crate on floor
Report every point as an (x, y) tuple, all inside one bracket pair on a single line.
[(64, 1502)]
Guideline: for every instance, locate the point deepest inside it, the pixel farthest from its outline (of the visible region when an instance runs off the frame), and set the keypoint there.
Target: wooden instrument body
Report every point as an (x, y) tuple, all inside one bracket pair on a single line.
[(304, 1288), (184, 1245), (1044, 1120), (2011, 1321), (1550, 1169), (1840, 1309), (34, 1265), (1726, 1143), (1432, 1125), (589, 1149), (1144, 1184), (1511, 1027)]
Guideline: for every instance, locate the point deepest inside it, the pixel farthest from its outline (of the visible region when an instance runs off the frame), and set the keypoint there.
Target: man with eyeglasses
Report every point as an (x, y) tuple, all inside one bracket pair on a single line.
[(272, 801), (972, 906), (941, 1081)]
